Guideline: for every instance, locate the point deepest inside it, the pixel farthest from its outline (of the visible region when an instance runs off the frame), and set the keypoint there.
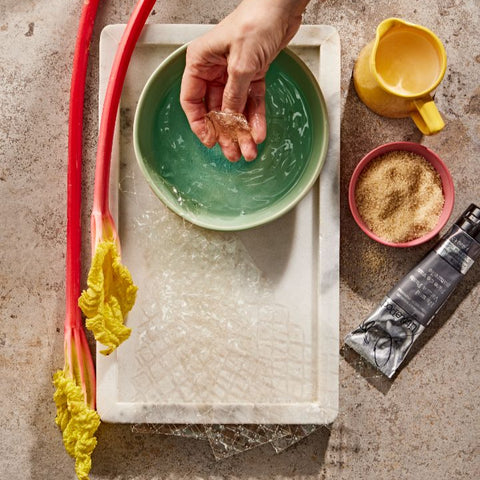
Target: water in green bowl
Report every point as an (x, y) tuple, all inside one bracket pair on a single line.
[(203, 180)]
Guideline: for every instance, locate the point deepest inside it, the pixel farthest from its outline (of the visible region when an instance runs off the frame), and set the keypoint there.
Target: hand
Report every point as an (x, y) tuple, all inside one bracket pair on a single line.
[(225, 70)]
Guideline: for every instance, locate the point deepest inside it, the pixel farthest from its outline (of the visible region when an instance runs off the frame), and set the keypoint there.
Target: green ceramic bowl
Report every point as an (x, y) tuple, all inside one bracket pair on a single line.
[(200, 184)]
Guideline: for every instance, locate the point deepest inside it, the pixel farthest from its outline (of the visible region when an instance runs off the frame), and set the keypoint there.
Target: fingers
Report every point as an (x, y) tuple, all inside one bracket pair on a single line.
[(237, 87), (192, 93), (255, 107), (256, 110), (214, 95), (247, 146), (242, 92), (234, 150), (230, 149)]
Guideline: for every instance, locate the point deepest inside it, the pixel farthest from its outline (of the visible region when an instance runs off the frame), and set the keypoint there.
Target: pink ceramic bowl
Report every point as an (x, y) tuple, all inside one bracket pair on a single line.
[(437, 163)]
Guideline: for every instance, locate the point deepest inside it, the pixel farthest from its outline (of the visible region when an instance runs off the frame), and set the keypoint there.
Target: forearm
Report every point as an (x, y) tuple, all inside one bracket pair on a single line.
[(291, 8), (272, 22), (295, 7)]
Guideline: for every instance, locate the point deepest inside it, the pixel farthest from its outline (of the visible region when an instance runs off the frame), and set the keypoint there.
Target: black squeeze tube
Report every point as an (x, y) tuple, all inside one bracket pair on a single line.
[(387, 335)]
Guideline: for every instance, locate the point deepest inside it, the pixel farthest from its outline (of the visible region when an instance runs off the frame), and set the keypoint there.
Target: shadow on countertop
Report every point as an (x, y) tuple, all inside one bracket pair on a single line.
[(122, 454), (367, 267), (380, 381)]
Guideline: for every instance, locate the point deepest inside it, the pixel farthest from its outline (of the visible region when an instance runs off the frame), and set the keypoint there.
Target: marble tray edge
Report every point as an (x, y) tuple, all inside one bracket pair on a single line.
[(325, 409)]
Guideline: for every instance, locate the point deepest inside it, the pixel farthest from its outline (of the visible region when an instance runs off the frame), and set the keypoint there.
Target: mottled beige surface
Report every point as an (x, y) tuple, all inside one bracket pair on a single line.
[(424, 424)]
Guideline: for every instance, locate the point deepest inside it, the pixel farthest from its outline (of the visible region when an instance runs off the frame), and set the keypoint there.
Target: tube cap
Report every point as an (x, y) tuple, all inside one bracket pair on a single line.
[(470, 221)]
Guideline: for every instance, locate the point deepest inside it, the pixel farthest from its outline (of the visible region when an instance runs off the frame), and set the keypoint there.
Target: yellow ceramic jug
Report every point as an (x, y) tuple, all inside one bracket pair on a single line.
[(396, 73)]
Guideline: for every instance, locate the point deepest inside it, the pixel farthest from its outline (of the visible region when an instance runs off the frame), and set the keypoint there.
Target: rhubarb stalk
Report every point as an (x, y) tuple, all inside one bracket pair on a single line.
[(111, 293), (75, 384)]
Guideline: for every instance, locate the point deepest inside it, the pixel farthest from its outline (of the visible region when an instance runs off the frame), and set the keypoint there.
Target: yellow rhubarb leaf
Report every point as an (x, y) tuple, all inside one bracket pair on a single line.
[(77, 421), (109, 297)]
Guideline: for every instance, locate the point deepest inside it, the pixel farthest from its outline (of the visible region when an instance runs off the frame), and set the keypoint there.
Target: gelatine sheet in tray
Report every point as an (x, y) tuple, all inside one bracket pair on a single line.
[(228, 328)]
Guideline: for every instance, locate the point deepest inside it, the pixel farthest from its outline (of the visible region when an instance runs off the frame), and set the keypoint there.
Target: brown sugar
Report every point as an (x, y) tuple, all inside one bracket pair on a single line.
[(399, 196)]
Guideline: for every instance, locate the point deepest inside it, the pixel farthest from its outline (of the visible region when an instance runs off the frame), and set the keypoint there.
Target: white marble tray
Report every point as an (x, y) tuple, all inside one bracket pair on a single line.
[(227, 328)]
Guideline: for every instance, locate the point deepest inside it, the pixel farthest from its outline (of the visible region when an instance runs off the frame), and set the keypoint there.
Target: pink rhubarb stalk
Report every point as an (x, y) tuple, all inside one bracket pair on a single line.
[(75, 384), (111, 293), (102, 224), (75, 339), (76, 344)]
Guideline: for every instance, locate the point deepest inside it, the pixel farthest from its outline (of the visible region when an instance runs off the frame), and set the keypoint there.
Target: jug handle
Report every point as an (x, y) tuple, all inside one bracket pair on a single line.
[(426, 116)]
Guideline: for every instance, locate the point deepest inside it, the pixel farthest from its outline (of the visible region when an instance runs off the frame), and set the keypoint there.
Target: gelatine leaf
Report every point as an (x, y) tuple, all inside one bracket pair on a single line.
[(229, 125)]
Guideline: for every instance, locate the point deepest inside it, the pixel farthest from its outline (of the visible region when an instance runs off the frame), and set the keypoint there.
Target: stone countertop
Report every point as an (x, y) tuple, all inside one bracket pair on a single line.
[(426, 423)]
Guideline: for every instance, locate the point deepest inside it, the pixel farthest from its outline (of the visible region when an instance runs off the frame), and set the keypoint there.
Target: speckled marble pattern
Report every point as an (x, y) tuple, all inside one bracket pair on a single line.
[(424, 424)]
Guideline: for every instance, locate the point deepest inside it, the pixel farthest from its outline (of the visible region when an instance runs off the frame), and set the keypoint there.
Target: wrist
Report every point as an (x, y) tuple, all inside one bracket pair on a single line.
[(293, 7), (286, 14), (287, 8)]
